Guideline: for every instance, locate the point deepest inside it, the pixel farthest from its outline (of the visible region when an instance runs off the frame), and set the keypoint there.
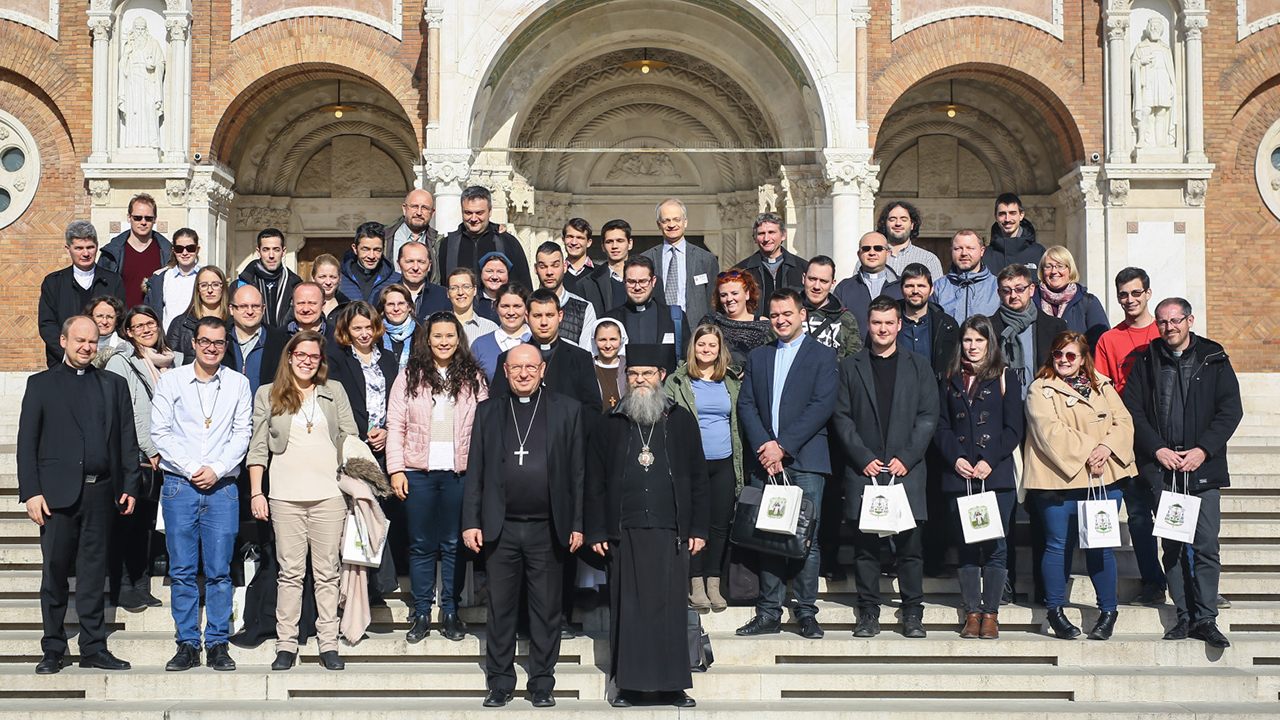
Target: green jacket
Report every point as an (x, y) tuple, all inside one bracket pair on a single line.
[(835, 326), (679, 388)]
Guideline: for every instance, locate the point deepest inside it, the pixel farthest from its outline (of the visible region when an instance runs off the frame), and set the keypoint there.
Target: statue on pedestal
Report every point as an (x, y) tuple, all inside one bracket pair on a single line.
[(141, 98), (1155, 90)]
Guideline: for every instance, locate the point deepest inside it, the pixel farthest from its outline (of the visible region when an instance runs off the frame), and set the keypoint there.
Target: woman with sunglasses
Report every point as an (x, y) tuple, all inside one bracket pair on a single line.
[(429, 416), (209, 297), (979, 430), (736, 299), (147, 358), (1060, 294), (395, 305), (299, 423), (169, 290), (107, 312), (1078, 433)]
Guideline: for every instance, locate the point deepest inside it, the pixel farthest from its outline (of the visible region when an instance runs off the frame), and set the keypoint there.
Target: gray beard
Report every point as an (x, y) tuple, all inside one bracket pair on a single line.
[(644, 407)]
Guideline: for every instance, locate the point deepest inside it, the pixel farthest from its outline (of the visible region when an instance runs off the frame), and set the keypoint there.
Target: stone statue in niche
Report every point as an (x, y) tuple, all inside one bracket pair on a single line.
[(654, 165), (1155, 90), (141, 101)]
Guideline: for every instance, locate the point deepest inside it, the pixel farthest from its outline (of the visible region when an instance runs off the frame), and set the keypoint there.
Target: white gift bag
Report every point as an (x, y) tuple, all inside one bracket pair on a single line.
[(906, 517), (1099, 519), (883, 509), (980, 516), (237, 609), (357, 547), (1178, 513), (780, 507)]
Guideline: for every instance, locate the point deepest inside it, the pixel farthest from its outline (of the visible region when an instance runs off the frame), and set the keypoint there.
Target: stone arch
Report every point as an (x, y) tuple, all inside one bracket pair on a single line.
[(286, 177)]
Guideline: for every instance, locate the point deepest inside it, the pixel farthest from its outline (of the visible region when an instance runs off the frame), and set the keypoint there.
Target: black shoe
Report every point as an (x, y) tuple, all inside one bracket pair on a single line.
[(1061, 626), (1208, 632), (936, 571), (678, 698), (1221, 602), (868, 626), (1180, 631), (566, 629), (131, 600), (51, 663), (497, 698), (913, 623), (1009, 597), (623, 699), (809, 628), (330, 661), (149, 599), (218, 657), (760, 625), (1151, 594), (543, 698), (187, 657), (451, 627), (284, 660), (104, 660), (420, 629), (1105, 626)]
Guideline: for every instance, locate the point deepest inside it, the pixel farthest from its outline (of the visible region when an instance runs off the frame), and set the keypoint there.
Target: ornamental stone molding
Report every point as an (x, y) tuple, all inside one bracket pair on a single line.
[(1080, 189), (47, 24), (1193, 194), (1118, 192), (446, 167), (1266, 168), (100, 192), (433, 16), (100, 28), (249, 15), (903, 20), (175, 189), (1249, 21), (852, 172), (256, 218), (19, 168)]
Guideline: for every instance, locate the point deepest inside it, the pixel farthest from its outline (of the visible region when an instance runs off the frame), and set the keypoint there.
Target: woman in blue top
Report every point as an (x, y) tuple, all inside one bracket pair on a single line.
[(512, 302), (707, 386)]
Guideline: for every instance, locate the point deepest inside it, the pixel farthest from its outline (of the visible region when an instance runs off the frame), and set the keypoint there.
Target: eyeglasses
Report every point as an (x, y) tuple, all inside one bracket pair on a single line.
[(1016, 290), (1070, 356), (104, 316), (872, 248), (248, 306), (523, 368), (1054, 266), (638, 283), (148, 325), (1125, 295), (421, 208), (1171, 322), (461, 288), (143, 218), (646, 374), (186, 248), (210, 285), (205, 343), (307, 358)]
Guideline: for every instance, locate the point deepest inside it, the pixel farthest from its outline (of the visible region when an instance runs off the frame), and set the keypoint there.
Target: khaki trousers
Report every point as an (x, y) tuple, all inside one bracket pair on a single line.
[(301, 526)]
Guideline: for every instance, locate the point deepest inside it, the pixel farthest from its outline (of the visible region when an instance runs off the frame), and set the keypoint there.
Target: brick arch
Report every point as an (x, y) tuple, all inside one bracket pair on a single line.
[(25, 61)]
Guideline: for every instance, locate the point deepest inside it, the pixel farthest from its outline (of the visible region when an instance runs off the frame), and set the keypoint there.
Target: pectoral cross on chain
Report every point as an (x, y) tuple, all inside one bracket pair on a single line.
[(207, 421), (520, 454)]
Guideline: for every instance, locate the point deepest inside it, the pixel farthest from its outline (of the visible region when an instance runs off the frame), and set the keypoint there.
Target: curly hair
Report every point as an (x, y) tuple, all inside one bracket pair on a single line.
[(463, 373), (749, 286)]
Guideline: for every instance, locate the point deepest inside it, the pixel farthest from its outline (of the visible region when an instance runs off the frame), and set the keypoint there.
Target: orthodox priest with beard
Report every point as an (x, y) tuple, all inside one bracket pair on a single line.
[(646, 512)]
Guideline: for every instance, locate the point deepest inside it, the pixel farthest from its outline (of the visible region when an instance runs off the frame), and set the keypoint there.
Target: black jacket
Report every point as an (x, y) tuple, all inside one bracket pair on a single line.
[(1047, 327), (945, 334), (487, 241), (112, 254), (430, 236), (571, 371), (627, 315), (1212, 411), (790, 274), (1023, 249), (606, 466), (275, 313), (272, 348), (60, 298), (484, 498), (344, 367), (598, 288), (51, 444), (183, 330), (987, 427), (856, 296)]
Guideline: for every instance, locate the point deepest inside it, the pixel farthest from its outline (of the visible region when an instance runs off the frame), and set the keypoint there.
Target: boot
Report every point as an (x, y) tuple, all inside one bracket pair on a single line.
[(718, 603), (993, 588), (1062, 627), (970, 589), (972, 625), (698, 594), (990, 628), (1105, 626)]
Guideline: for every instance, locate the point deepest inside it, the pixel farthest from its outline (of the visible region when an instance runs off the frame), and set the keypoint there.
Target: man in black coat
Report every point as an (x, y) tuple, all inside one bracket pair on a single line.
[(477, 237), (872, 279), (1013, 237), (603, 287), (523, 509), (570, 370), (773, 266), (1185, 400), (885, 416), (269, 274), (65, 293), (77, 466), (647, 511), (648, 320)]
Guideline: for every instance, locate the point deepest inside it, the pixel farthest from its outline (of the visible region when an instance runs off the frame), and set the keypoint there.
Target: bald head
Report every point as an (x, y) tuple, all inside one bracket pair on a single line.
[(79, 341), (873, 252), (419, 207), (524, 368), (246, 309)]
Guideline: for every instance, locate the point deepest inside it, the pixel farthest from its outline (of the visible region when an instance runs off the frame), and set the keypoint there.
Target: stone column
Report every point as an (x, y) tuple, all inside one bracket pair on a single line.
[(434, 17), (445, 173), (1085, 232), (861, 16), (177, 91), (100, 22), (854, 182), (1117, 17), (1194, 22), (209, 210)]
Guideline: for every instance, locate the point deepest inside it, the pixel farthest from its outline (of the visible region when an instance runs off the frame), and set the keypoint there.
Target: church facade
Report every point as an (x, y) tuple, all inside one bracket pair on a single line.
[(1137, 132)]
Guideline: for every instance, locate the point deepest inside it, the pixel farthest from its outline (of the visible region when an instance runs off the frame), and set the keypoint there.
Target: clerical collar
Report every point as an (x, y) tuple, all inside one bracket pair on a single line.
[(527, 400), (547, 346), (84, 278)]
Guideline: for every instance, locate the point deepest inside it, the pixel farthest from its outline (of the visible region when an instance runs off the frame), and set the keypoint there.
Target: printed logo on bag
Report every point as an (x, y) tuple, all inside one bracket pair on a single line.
[(1102, 523), (979, 518), (777, 508), (879, 506), (1176, 515)]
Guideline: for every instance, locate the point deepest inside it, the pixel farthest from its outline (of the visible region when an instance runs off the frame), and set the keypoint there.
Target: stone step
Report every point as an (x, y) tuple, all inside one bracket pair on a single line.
[(1256, 480), (1254, 529)]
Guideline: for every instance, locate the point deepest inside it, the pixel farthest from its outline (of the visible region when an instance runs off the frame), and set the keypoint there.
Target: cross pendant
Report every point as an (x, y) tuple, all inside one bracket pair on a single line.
[(207, 421), (520, 454), (308, 428)]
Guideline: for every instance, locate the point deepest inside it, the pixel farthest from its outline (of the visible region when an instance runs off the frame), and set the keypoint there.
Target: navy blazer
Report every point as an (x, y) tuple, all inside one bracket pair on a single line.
[(808, 400), (987, 427)]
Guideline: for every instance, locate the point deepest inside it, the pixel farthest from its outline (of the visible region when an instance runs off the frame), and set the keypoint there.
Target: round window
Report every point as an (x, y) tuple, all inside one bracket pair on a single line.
[(13, 159), (1275, 158), (4, 200)]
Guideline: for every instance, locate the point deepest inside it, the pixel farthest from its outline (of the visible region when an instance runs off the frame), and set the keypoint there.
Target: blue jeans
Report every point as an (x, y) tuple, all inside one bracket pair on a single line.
[(1141, 506), (1058, 513), (200, 529), (434, 509), (775, 569)]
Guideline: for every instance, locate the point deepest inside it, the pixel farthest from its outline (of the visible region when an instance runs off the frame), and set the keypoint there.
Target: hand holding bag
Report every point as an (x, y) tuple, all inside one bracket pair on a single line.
[(780, 507), (1178, 513), (1099, 518), (980, 516), (883, 509), (744, 534)]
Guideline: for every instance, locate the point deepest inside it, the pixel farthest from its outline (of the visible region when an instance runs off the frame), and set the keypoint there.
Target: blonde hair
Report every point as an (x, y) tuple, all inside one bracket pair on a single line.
[(1062, 255), (196, 309), (721, 366), (325, 259)]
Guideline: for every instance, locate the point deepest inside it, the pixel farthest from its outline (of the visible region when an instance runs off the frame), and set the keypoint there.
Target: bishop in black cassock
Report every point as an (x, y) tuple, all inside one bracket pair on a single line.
[(646, 511)]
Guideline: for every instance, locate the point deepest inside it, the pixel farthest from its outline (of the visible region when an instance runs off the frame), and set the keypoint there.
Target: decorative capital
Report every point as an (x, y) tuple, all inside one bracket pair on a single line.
[(434, 17), (177, 28), (861, 16), (1118, 192), (852, 171), (100, 191), (1193, 194), (445, 167), (1195, 25), (175, 189), (101, 28), (1117, 27)]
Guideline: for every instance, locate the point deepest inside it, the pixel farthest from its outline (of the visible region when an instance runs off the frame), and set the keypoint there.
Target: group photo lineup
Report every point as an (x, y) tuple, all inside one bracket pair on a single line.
[(863, 358)]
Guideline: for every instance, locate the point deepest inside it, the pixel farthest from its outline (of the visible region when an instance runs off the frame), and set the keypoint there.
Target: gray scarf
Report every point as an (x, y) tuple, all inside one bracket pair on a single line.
[(1014, 324)]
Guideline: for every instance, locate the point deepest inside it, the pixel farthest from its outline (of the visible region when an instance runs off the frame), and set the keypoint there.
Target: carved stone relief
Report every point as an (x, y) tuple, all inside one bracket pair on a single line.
[(140, 101), (19, 168), (1155, 88), (1267, 168)]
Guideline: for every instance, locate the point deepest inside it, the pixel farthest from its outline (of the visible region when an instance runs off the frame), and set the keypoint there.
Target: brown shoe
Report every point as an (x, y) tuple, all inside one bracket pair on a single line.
[(972, 625), (990, 628)]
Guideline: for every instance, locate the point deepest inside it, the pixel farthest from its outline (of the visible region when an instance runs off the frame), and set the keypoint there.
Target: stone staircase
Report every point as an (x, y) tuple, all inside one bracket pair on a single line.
[(1024, 674)]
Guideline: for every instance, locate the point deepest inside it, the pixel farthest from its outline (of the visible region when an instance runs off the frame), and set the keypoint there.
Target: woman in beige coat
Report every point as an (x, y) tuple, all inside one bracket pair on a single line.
[(1078, 432), (299, 424)]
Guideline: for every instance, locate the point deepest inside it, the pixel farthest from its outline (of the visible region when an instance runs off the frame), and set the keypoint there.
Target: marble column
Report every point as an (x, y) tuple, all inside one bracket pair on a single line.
[(445, 173), (209, 199), (177, 92), (434, 17), (861, 16), (853, 179), (1194, 24), (1117, 81), (100, 23)]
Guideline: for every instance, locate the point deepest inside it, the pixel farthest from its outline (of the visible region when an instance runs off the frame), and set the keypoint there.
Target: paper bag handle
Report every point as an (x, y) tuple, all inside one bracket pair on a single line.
[(783, 474)]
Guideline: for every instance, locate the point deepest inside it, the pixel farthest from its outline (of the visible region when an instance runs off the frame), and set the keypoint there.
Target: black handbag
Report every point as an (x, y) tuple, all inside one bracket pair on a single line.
[(700, 655), (743, 586), (745, 535)]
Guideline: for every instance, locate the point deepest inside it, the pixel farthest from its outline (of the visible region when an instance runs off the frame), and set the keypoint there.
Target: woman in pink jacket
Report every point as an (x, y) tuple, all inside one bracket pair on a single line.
[(431, 408)]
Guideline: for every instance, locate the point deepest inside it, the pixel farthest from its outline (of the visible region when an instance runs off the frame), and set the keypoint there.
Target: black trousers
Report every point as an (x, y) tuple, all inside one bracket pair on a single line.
[(130, 553), (724, 494), (77, 537), (1193, 576), (525, 556), (867, 569)]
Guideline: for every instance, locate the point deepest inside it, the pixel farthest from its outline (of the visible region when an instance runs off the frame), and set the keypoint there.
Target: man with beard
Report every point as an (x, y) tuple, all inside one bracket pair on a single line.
[(646, 509), (900, 223), (773, 266), (1013, 237), (275, 281), (418, 209), (968, 288), (523, 509), (476, 237), (645, 317)]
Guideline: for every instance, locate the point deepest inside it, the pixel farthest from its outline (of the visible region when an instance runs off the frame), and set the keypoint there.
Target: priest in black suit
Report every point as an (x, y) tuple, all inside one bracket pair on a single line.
[(65, 293), (570, 369), (522, 507), (77, 467)]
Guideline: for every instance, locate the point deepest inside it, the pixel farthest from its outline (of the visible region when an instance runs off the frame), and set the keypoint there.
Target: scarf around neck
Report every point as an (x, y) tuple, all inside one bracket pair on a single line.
[(157, 363), (1014, 324), (1080, 384), (401, 333), (1055, 303)]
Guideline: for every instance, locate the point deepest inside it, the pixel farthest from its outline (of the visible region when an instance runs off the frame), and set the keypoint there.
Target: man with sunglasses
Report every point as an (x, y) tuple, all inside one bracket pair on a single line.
[(872, 279), (201, 418), (1185, 401), (137, 253)]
